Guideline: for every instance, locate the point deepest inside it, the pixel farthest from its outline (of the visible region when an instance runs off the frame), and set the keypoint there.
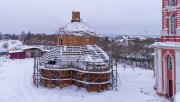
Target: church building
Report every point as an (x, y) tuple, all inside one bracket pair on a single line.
[(167, 52), (76, 60)]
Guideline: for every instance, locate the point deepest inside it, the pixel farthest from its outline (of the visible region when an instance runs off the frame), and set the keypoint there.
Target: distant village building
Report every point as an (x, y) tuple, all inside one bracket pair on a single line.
[(167, 52), (77, 60)]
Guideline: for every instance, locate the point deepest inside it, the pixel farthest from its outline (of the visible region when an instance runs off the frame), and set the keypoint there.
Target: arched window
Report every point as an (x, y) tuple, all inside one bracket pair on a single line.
[(172, 24), (172, 2), (169, 62)]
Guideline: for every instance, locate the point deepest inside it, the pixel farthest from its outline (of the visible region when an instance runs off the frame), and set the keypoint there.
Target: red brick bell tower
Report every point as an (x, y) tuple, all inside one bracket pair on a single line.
[(167, 52), (170, 21)]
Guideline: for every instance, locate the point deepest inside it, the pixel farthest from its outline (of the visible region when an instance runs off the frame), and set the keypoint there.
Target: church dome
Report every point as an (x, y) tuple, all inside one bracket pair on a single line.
[(77, 28)]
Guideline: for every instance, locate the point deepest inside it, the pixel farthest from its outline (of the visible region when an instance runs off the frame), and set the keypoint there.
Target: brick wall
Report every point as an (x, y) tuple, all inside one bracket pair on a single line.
[(72, 40)]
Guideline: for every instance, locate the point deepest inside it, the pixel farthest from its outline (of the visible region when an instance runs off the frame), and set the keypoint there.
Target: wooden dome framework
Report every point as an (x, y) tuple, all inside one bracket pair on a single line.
[(53, 71)]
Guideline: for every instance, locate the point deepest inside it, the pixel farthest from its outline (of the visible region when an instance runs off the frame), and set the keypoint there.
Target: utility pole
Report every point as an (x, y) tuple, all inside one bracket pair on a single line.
[(148, 57)]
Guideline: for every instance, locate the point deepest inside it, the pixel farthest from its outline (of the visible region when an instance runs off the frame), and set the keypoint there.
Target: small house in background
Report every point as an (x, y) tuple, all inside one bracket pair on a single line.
[(31, 52), (27, 52), (18, 54)]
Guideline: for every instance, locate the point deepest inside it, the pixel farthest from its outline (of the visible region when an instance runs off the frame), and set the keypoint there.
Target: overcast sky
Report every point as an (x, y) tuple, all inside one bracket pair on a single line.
[(104, 16)]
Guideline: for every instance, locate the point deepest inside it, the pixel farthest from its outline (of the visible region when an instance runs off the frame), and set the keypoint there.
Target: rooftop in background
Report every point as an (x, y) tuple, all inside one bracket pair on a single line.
[(131, 36)]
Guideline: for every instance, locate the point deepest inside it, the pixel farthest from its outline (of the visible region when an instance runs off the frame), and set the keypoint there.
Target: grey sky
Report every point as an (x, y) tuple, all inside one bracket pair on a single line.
[(104, 16)]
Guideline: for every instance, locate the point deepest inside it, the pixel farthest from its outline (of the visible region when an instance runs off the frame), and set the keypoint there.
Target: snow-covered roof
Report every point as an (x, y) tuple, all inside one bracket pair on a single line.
[(31, 47), (175, 45), (16, 51), (22, 48), (153, 54), (88, 53), (77, 28)]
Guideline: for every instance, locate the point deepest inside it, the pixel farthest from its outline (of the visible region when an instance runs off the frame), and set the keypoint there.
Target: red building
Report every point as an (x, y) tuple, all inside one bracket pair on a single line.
[(17, 54), (167, 52), (27, 52)]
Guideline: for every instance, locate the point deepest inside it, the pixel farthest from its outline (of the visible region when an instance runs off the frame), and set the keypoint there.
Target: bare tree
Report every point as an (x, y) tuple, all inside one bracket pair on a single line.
[(1, 35), (5, 45)]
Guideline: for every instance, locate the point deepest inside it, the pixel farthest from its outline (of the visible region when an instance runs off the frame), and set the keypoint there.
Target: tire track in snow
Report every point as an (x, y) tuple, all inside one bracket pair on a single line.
[(25, 88)]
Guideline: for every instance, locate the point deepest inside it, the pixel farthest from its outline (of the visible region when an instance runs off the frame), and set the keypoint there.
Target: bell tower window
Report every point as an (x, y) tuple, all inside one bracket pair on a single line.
[(172, 2), (169, 62), (172, 24)]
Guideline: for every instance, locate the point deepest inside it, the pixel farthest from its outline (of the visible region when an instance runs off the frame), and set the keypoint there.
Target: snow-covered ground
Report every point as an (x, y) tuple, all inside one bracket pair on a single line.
[(7, 45), (16, 86)]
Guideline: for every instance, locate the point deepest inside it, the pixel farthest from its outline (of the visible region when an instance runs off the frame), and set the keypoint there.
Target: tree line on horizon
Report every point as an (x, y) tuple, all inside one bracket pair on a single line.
[(131, 51), (31, 38), (127, 51)]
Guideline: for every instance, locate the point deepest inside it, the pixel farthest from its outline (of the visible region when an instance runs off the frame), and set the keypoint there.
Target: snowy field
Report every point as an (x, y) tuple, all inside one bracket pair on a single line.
[(16, 86)]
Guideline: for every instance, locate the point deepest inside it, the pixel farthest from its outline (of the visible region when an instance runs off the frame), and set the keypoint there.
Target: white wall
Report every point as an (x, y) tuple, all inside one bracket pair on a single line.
[(156, 67), (160, 70), (177, 71)]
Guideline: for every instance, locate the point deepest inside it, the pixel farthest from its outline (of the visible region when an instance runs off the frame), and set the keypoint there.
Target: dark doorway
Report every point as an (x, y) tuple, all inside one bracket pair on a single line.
[(61, 42), (170, 88), (32, 54)]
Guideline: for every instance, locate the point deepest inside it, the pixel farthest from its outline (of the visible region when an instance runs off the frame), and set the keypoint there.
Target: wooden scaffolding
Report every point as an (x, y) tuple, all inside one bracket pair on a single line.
[(93, 78)]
